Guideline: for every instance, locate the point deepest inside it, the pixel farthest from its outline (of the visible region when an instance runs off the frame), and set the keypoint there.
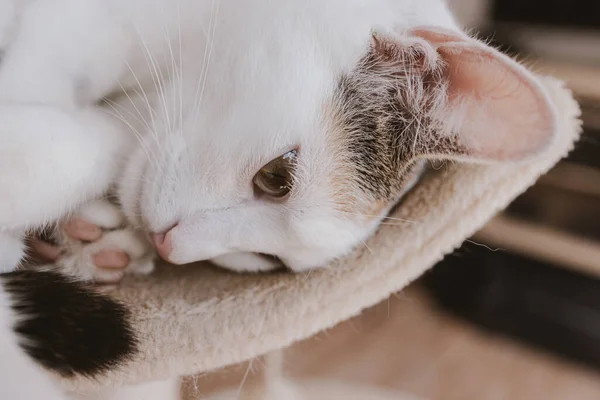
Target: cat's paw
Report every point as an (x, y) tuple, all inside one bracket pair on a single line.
[(95, 246)]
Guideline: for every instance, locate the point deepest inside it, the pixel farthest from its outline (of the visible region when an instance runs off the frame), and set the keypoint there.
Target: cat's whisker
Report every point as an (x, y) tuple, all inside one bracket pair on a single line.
[(145, 97), (142, 94), (173, 73), (401, 220), (140, 138), (156, 79), (492, 249), (117, 114), (163, 97), (309, 272), (180, 69), (244, 379), (393, 224), (204, 58), (141, 116), (160, 81), (151, 130), (208, 57), (378, 216), (211, 46), (367, 246)]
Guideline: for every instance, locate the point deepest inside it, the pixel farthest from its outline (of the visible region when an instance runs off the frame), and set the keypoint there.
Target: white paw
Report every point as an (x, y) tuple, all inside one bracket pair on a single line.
[(11, 251), (108, 259), (95, 245)]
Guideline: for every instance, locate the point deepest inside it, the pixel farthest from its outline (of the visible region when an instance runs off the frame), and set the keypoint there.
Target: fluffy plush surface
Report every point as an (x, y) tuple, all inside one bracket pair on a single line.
[(198, 318)]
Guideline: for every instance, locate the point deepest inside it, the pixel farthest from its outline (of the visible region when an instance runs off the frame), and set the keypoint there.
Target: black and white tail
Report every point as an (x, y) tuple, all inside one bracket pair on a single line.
[(51, 323)]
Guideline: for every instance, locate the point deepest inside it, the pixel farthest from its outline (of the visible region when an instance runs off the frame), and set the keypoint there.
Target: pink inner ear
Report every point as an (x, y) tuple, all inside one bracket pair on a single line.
[(496, 106)]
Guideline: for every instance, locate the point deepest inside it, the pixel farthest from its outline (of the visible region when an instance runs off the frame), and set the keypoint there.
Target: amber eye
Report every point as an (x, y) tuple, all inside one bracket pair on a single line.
[(276, 178)]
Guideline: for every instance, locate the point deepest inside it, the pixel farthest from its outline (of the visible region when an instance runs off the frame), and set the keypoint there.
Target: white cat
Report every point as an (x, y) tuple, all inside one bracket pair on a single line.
[(251, 133)]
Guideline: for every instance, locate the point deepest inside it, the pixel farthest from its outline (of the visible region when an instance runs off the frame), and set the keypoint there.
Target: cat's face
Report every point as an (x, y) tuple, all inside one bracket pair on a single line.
[(295, 138)]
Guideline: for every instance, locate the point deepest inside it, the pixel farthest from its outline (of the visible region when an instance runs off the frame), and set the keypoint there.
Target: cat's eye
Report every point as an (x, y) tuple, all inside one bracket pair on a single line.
[(276, 178)]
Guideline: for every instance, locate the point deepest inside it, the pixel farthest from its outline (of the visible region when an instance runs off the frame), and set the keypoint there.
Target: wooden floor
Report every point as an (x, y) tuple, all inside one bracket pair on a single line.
[(405, 344)]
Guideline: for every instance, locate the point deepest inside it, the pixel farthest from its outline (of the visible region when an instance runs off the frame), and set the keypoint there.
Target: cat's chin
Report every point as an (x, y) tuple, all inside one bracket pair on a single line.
[(248, 262)]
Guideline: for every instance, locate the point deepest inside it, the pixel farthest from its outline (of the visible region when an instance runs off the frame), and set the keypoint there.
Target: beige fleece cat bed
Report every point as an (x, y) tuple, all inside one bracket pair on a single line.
[(199, 318)]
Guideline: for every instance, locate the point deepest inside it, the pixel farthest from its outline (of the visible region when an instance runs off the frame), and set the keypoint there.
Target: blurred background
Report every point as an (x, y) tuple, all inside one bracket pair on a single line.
[(515, 312)]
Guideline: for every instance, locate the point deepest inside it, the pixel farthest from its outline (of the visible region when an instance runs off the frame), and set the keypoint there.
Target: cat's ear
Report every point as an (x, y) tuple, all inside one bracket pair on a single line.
[(493, 109)]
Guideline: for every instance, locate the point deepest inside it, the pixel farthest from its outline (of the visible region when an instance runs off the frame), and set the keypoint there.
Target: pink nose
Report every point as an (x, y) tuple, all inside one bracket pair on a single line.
[(162, 242)]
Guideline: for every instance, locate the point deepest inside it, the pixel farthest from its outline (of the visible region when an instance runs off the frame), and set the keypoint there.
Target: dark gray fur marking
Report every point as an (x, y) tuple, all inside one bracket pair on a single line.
[(67, 326), (386, 105)]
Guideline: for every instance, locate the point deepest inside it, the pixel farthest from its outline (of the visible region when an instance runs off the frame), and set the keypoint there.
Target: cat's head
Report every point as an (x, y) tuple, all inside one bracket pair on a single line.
[(297, 136)]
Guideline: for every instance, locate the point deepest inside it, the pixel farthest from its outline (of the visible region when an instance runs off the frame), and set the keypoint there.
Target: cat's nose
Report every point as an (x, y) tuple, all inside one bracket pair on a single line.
[(163, 244)]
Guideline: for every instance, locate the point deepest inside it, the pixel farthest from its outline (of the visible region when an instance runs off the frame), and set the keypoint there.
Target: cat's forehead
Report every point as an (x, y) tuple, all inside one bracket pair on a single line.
[(288, 62), (278, 84)]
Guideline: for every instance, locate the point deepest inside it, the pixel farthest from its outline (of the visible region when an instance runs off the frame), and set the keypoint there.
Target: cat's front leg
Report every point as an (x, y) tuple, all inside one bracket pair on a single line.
[(52, 161), (58, 150)]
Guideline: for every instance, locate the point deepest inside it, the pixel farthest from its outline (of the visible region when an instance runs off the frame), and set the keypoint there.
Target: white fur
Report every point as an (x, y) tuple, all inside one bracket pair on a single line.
[(267, 69), (212, 91), (11, 250), (51, 161), (20, 377), (161, 390), (266, 83), (77, 258), (102, 213), (266, 76)]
